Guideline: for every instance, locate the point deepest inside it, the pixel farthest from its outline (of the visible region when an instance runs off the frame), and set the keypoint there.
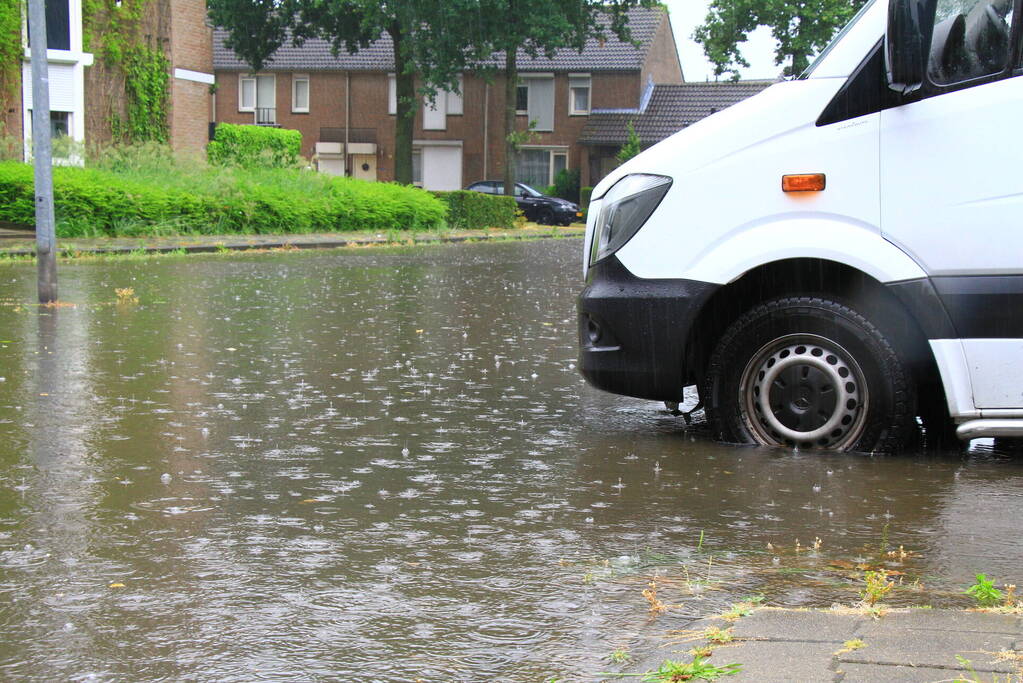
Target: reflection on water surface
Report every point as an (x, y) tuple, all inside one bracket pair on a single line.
[(383, 465)]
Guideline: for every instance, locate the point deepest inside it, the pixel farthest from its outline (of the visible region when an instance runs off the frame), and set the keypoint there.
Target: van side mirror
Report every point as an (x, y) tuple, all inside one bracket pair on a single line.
[(908, 43)]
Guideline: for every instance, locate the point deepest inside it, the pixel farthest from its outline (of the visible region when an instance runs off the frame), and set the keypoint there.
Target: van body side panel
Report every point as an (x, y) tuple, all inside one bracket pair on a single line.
[(996, 372), (984, 306), (730, 214), (951, 180), (955, 377)]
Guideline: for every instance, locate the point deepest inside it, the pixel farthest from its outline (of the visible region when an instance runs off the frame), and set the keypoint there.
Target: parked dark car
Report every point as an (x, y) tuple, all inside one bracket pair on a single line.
[(535, 205)]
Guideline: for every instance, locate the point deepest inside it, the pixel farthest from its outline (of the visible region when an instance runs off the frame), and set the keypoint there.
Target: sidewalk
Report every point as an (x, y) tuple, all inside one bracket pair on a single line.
[(819, 646), (21, 242)]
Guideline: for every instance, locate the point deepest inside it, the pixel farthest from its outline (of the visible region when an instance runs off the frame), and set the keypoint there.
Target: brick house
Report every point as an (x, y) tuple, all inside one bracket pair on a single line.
[(344, 106), (85, 93)]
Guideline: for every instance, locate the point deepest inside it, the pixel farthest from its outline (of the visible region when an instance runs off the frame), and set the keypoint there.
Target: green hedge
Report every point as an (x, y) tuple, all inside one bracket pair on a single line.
[(584, 197), (254, 146), (469, 210), (179, 200)]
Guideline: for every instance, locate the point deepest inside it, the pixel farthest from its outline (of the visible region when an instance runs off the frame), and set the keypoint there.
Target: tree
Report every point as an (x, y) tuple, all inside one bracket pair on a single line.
[(530, 28), (432, 40), (801, 27), (632, 145)]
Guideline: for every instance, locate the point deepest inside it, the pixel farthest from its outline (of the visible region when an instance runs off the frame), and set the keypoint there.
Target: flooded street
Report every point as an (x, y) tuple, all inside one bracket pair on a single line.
[(383, 465)]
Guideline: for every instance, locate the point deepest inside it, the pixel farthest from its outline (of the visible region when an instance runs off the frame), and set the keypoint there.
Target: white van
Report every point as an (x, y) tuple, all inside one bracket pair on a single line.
[(836, 257)]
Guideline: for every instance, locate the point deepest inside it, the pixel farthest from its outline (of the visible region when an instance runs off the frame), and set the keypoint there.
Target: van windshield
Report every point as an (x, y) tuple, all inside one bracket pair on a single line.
[(836, 39)]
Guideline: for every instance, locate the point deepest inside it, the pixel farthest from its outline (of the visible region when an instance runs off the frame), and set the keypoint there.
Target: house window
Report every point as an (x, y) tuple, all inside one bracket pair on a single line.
[(537, 167), (435, 113), (300, 94), (578, 94), (392, 94), (246, 94), (522, 99), (60, 124), (258, 95), (58, 25), (539, 100), (454, 99), (417, 167)]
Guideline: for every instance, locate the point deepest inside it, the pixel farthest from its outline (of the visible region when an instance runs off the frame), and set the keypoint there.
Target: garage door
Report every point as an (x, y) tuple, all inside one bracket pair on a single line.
[(442, 168)]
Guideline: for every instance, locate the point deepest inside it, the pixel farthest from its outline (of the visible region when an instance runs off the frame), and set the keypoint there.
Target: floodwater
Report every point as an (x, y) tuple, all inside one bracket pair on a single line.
[(382, 465)]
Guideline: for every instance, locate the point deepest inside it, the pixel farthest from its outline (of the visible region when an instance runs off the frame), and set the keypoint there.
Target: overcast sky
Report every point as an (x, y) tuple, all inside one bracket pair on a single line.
[(686, 15)]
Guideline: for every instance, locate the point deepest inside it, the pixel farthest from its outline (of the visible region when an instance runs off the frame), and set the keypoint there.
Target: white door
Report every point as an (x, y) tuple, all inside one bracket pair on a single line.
[(952, 193), (442, 168)]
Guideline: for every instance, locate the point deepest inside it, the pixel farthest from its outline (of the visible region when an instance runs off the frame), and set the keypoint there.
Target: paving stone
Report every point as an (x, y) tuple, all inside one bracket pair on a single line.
[(783, 624), (948, 620), (872, 673), (778, 662), (900, 646)]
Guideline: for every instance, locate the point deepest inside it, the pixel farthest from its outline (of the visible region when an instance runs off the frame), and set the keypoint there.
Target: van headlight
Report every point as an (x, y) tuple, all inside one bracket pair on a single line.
[(624, 210)]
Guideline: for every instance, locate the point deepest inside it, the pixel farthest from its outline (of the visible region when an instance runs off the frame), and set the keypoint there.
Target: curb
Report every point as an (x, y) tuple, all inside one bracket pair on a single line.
[(328, 242)]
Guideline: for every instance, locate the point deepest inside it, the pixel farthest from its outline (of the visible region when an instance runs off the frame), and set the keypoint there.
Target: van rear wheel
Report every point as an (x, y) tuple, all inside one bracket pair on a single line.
[(808, 372)]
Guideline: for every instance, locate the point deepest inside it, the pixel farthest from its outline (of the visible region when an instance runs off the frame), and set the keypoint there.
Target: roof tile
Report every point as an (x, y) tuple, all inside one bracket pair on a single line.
[(611, 54), (671, 108)]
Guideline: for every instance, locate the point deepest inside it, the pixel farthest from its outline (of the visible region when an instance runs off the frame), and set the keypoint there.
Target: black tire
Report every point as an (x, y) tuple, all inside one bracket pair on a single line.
[(546, 217), (808, 372)]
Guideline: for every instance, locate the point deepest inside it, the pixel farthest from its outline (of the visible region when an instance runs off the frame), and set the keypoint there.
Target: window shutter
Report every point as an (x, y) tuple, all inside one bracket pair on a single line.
[(541, 103), (455, 99)]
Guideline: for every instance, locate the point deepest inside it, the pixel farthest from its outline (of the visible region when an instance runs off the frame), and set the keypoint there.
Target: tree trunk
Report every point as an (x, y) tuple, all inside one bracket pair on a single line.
[(404, 122), (511, 85)]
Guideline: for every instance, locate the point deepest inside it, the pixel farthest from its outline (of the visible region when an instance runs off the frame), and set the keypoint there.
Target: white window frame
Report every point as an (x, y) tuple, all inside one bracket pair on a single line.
[(241, 93), (295, 79), (572, 86), (392, 94), (552, 151)]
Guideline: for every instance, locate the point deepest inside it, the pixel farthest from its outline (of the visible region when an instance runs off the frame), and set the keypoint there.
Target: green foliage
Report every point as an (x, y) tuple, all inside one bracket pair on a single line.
[(469, 210), (801, 29), (147, 82), (584, 197), (696, 670), (10, 50), (254, 146), (566, 184), (632, 145), (984, 592), (132, 196), (110, 27), (875, 586)]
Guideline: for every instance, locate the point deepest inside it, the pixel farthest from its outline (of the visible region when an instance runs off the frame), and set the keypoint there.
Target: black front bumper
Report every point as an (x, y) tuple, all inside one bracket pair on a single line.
[(632, 332)]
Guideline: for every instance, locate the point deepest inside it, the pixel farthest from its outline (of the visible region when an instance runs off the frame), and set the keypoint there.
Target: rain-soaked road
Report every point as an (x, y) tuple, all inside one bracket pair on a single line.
[(383, 465)]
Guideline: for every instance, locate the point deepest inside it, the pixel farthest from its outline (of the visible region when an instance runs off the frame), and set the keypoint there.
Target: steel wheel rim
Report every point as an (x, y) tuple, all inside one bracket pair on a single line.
[(804, 391)]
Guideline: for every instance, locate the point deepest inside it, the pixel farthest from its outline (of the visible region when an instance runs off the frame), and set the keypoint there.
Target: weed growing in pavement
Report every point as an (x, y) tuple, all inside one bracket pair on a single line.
[(851, 645), (671, 671), (743, 608), (876, 586), (984, 592), (719, 636)]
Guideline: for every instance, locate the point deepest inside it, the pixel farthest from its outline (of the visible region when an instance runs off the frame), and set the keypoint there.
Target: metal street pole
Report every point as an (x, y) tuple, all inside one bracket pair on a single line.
[(46, 252)]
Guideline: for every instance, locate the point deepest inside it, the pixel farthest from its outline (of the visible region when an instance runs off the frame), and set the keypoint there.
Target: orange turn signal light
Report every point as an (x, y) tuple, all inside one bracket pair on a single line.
[(803, 182)]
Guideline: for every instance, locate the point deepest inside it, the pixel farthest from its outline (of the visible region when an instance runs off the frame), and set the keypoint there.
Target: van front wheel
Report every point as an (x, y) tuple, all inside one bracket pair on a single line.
[(808, 372)]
